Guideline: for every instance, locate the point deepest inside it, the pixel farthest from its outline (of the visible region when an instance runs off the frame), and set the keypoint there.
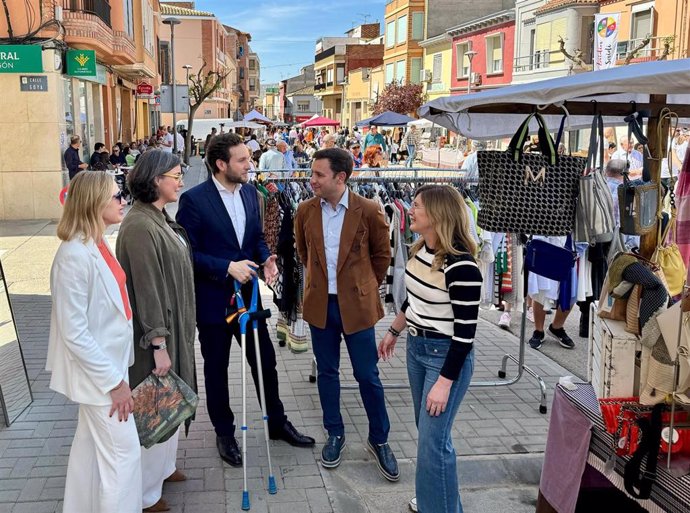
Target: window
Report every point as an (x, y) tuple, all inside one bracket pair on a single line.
[(415, 69), (641, 24), (329, 75), (242, 72), (148, 27), (494, 54), (400, 71), (340, 74), (252, 84), (390, 34), (390, 73), (303, 106), (461, 60), (252, 64), (437, 71), (402, 29), (128, 15), (417, 26), (164, 61)]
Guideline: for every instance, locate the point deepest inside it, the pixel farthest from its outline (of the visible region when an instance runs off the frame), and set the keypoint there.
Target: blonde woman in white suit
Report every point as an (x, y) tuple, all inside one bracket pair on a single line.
[(90, 351)]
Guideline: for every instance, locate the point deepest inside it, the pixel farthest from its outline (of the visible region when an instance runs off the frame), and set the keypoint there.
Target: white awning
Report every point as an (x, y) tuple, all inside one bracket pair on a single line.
[(623, 84)]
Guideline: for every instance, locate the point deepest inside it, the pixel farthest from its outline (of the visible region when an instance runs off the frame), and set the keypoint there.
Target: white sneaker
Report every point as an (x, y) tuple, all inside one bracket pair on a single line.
[(413, 504), (530, 314), (504, 321)]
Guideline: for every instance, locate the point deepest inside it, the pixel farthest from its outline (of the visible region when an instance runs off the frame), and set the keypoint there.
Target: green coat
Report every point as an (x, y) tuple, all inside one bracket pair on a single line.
[(160, 284)]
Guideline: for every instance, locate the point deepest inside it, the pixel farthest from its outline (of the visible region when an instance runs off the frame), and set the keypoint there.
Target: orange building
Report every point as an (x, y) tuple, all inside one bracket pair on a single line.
[(403, 58)]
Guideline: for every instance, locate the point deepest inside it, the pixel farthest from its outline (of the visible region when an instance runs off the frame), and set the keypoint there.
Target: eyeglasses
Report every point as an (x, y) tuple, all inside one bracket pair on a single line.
[(119, 196), (178, 176)]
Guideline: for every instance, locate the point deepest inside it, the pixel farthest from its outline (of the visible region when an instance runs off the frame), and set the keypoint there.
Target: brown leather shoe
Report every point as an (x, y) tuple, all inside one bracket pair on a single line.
[(161, 505), (176, 477)]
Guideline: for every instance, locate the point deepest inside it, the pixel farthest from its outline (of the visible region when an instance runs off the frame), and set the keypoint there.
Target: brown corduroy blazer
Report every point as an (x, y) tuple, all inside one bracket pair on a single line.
[(363, 259)]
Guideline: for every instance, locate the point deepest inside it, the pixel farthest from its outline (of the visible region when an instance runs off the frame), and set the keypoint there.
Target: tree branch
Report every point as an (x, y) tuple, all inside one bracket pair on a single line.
[(633, 53)]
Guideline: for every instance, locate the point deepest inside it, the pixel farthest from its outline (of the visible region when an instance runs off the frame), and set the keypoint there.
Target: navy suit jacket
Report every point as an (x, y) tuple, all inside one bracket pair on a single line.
[(214, 245)]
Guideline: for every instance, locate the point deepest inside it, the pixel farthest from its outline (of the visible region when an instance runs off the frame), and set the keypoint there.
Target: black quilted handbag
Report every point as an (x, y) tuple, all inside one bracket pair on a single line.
[(532, 193)]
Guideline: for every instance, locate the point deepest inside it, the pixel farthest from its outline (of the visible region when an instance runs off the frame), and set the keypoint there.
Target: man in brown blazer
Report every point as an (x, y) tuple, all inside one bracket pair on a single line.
[(344, 243)]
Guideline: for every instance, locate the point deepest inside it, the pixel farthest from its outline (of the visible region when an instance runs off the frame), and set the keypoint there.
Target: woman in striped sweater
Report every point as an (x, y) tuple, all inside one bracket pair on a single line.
[(443, 292)]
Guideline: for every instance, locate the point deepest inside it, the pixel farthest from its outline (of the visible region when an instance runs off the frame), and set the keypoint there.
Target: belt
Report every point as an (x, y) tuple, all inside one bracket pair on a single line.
[(418, 332)]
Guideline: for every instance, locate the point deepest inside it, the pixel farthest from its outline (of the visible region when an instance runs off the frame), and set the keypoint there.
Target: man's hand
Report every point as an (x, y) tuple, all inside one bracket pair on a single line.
[(270, 269), (242, 271), (122, 401), (83, 165)]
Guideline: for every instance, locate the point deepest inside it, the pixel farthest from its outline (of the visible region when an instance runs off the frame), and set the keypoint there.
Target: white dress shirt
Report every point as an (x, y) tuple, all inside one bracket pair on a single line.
[(234, 206), (332, 220)]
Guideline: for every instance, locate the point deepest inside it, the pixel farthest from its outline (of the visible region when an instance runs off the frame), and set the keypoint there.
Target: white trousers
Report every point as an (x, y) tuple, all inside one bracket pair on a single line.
[(157, 464), (104, 468)]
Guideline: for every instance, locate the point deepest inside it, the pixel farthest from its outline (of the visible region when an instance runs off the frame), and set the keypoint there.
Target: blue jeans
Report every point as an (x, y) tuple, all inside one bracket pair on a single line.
[(436, 480), (411, 151), (364, 357)]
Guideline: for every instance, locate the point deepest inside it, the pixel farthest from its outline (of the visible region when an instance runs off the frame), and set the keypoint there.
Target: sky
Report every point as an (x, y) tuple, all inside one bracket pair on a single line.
[(284, 33)]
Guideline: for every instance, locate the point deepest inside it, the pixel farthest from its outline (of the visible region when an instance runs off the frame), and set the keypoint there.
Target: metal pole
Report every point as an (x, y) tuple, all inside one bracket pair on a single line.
[(174, 98)]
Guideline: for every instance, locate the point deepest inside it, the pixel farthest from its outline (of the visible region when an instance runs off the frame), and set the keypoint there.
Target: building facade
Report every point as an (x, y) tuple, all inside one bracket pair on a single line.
[(404, 29), (490, 43), (436, 72)]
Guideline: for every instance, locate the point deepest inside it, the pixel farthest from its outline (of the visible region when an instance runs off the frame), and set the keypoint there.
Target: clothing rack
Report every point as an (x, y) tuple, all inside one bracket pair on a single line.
[(454, 177)]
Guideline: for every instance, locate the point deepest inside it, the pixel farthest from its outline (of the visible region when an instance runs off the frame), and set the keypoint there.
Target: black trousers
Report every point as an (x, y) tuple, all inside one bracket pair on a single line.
[(215, 342)]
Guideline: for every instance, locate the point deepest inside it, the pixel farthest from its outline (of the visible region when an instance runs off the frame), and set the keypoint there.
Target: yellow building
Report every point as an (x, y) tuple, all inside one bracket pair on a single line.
[(437, 79), (660, 19), (270, 103), (358, 96), (404, 29)]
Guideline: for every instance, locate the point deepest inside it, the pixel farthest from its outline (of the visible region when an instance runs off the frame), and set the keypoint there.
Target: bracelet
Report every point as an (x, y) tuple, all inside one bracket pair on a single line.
[(163, 345), (393, 331)]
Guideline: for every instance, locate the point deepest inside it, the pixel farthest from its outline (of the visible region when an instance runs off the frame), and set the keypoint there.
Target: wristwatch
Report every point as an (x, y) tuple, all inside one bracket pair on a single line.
[(161, 346)]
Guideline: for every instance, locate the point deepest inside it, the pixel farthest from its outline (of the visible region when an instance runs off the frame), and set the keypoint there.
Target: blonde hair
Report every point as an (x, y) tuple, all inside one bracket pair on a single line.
[(88, 195), (448, 215)]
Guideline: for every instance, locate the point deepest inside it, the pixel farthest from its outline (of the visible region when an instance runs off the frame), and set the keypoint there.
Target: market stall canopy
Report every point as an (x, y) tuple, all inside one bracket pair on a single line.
[(257, 117), (388, 118), (421, 123), (245, 124), (320, 121), (494, 113)]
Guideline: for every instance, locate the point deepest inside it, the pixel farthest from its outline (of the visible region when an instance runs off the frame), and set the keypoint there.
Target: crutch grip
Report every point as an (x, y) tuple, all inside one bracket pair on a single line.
[(261, 314)]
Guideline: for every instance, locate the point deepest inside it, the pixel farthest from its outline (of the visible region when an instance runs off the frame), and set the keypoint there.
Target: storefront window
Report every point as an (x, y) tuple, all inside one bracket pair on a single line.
[(84, 131), (67, 104)]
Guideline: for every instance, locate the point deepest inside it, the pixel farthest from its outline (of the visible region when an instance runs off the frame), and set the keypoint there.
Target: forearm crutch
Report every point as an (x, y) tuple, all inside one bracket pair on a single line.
[(245, 316)]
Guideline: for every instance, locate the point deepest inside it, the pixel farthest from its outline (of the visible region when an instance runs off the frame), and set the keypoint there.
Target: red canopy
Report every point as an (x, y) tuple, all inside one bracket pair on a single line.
[(320, 121)]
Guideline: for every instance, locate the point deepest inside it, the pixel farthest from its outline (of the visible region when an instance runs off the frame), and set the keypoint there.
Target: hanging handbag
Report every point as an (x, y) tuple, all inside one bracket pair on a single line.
[(594, 220), (667, 254), (610, 307), (550, 261), (638, 200), (161, 404), (528, 193)]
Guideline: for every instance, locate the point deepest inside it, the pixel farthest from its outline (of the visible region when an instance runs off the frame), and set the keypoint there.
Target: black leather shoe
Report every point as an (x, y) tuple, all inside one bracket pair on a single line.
[(385, 460), (289, 434), (229, 450)]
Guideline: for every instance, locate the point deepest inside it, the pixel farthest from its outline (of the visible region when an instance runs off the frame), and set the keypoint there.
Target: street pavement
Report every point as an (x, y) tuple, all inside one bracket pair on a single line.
[(499, 433)]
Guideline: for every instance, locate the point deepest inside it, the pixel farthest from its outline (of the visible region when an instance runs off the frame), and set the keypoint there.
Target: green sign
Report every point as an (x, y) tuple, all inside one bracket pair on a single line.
[(21, 59), (81, 63)]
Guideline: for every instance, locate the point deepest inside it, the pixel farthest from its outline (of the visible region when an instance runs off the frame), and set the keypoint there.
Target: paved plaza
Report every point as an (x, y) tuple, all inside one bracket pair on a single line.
[(499, 433)]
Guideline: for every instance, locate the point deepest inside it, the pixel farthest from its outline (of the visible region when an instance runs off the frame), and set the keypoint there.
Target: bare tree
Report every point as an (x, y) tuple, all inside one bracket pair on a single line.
[(575, 58), (633, 53), (668, 42), (201, 86)]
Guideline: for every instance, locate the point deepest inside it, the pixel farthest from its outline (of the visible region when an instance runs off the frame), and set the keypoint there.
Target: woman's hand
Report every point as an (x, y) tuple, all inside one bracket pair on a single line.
[(437, 398), (122, 401), (387, 346), (163, 363)]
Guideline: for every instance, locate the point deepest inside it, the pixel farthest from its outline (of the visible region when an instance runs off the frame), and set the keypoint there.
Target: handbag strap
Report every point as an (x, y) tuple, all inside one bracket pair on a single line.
[(596, 132), (638, 482), (672, 117), (545, 140)]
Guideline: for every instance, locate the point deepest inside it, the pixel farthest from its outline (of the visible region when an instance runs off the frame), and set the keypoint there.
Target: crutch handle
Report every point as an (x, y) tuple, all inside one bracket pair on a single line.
[(261, 314)]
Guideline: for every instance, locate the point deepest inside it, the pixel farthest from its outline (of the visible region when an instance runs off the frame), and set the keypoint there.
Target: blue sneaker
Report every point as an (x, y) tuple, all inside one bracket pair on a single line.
[(385, 460), (537, 339), (332, 451)]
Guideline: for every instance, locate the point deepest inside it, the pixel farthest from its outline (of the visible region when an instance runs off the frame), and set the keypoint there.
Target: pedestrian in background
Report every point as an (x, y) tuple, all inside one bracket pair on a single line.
[(90, 350), (157, 258), (72, 159), (443, 285)]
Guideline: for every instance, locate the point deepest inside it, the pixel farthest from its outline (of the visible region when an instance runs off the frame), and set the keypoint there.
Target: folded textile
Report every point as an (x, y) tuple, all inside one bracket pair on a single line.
[(654, 294), (619, 264)]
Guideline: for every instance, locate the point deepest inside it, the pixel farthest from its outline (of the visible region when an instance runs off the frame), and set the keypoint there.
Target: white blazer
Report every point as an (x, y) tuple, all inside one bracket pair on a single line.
[(91, 341)]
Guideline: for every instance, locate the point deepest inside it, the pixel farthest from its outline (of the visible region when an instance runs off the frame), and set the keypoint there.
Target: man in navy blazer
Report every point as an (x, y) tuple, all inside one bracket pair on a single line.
[(223, 223)]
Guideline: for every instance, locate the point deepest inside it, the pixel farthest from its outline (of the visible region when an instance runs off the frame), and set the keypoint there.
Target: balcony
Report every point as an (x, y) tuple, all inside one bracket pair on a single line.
[(319, 87), (326, 53), (99, 8), (652, 51)]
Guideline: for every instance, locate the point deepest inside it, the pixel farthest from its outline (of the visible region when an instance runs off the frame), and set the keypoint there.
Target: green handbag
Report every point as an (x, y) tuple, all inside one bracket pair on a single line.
[(161, 404)]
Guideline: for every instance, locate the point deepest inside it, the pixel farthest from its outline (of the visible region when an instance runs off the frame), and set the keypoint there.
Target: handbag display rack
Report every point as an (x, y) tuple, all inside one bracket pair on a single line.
[(440, 176)]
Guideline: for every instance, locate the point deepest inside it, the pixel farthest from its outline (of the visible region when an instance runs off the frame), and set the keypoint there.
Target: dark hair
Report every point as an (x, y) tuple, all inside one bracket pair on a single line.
[(219, 149), (98, 146), (253, 137), (612, 145), (142, 179), (339, 160)]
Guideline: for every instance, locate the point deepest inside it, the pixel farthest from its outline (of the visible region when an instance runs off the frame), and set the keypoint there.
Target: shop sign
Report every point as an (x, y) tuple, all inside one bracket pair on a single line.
[(33, 83), (81, 63), (144, 89), (21, 59)]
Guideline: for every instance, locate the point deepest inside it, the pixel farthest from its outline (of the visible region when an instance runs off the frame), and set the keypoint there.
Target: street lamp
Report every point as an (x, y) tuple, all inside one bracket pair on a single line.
[(470, 55), (172, 22)]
